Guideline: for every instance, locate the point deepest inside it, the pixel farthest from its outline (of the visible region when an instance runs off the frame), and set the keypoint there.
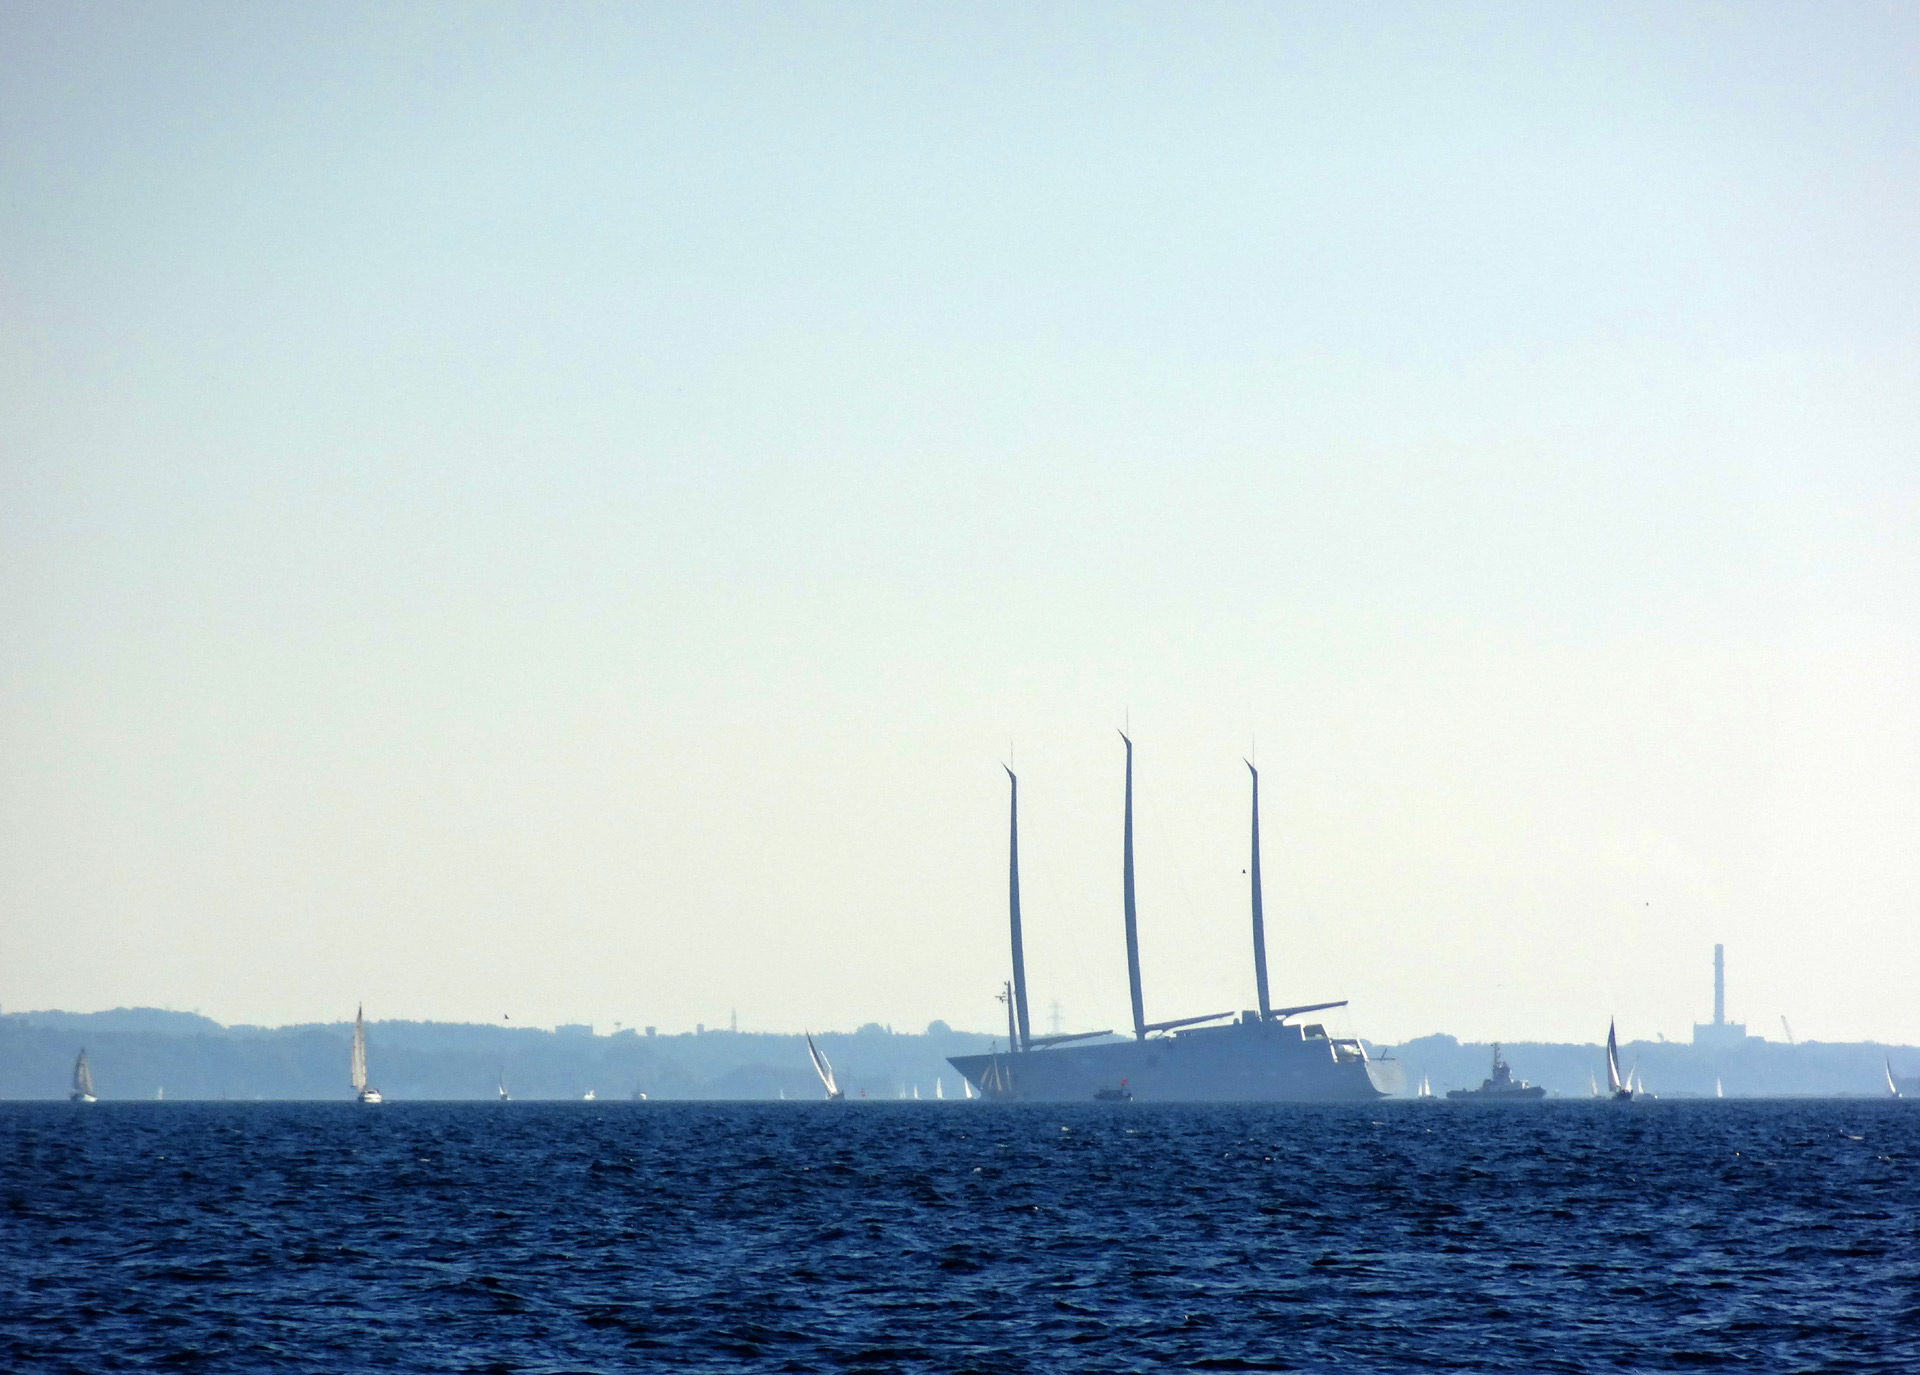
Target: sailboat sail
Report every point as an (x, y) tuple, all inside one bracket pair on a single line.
[(82, 1076), (359, 1067), (1614, 1081), (1893, 1089), (822, 1068)]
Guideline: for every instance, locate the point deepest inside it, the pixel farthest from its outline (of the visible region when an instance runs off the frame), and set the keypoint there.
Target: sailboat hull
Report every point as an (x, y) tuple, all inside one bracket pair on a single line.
[(1244, 1062)]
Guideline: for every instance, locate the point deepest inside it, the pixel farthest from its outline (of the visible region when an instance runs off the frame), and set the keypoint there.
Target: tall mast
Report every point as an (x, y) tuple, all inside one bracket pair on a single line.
[(1259, 912), (1126, 889), (1013, 909)]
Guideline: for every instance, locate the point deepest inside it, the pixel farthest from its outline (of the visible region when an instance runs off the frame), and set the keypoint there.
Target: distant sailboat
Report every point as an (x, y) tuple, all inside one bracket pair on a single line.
[(916, 1093), (1593, 1088), (1893, 1089), (587, 1097), (835, 1093), (1426, 1088), (938, 1092), (361, 1089), (1718, 1092), (968, 1087), (504, 1096), (82, 1081), (160, 1094), (1617, 1088)]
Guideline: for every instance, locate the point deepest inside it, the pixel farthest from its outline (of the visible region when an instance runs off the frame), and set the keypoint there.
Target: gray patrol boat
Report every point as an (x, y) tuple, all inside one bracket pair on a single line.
[(1256, 1056), (1500, 1086)]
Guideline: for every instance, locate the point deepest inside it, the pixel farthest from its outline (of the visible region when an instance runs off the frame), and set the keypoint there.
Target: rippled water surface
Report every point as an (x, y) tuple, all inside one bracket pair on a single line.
[(959, 1236)]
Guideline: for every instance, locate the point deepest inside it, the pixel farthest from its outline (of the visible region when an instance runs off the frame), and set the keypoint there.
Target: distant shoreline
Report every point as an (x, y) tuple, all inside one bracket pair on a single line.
[(138, 1053)]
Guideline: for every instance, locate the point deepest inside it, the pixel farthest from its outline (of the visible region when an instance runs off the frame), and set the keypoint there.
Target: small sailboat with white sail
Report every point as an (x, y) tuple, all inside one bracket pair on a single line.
[(501, 1093), (835, 1093), (1893, 1089), (1619, 1089), (82, 1091), (587, 1097), (362, 1090), (1426, 1088), (1718, 1092), (938, 1092)]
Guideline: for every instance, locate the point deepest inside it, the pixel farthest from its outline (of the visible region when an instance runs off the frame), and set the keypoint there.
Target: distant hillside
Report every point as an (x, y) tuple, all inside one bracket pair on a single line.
[(158, 1021)]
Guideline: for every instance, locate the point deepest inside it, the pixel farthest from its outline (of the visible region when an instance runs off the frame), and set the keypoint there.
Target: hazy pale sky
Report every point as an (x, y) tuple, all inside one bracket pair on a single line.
[(560, 511)]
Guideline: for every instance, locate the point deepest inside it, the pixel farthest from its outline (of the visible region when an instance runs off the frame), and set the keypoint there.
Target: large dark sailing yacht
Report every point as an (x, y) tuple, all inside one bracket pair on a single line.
[(1255, 1056)]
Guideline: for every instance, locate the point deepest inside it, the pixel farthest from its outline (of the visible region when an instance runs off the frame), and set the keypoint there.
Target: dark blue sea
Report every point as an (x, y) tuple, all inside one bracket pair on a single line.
[(959, 1237)]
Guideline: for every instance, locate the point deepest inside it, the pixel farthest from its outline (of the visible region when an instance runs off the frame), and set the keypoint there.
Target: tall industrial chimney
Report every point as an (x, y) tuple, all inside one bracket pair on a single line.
[(1719, 985)]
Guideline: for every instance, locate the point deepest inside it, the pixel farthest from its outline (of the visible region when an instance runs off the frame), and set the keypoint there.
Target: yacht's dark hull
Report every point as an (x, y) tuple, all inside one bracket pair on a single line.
[(1244, 1062)]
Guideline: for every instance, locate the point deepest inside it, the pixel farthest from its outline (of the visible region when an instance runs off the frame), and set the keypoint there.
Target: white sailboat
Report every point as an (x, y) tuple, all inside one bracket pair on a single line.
[(587, 1097), (968, 1087), (1893, 1089), (364, 1091), (938, 1092), (1618, 1089), (502, 1093), (835, 1093), (1593, 1088), (1426, 1088), (82, 1081), (916, 1093), (1718, 1092)]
